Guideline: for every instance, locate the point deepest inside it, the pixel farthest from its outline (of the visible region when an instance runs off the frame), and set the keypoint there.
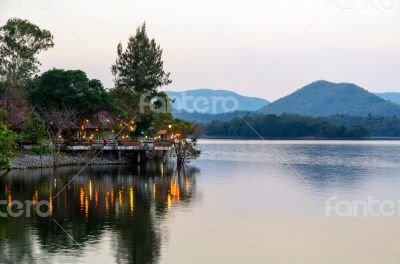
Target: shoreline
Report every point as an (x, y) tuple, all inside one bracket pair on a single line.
[(29, 161)]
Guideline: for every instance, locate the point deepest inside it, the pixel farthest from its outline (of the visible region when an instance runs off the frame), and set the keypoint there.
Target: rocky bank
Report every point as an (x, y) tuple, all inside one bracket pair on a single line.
[(35, 161)]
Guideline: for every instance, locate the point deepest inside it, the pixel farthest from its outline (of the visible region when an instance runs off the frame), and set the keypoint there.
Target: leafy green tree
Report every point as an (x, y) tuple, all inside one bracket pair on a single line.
[(140, 66), (163, 120), (70, 89), (20, 43), (7, 145), (34, 130), (125, 101)]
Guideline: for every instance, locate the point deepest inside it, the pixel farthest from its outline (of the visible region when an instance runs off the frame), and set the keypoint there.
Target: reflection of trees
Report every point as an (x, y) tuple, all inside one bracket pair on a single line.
[(127, 201)]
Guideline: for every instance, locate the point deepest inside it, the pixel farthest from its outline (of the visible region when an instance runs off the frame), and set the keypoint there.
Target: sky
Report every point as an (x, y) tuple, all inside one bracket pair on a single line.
[(260, 48)]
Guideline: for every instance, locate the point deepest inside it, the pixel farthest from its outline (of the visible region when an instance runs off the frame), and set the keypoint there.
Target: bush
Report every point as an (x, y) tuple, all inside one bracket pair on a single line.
[(3, 115), (7, 146), (42, 148), (34, 130)]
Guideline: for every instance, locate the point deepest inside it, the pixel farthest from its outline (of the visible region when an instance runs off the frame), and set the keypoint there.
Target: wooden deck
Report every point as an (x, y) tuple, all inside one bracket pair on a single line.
[(118, 145)]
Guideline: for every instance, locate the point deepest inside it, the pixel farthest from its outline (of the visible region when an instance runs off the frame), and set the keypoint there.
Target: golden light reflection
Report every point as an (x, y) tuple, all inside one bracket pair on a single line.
[(86, 208), (187, 185), (35, 198), (90, 190), (131, 200), (154, 191), (175, 192), (169, 203), (120, 199), (9, 198), (96, 198), (51, 204), (81, 198), (107, 204), (112, 197)]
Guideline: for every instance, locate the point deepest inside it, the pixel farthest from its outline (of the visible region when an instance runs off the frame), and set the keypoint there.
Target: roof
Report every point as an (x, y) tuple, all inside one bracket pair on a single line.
[(101, 120), (162, 132)]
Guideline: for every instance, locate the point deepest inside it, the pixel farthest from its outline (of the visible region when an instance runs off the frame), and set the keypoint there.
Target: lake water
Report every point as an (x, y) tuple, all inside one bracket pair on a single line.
[(240, 202)]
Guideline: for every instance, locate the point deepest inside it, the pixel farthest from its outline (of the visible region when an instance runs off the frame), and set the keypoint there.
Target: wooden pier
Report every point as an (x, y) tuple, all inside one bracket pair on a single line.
[(139, 150)]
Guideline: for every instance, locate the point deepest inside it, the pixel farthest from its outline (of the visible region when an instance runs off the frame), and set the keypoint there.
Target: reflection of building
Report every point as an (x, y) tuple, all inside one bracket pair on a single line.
[(126, 201), (113, 191)]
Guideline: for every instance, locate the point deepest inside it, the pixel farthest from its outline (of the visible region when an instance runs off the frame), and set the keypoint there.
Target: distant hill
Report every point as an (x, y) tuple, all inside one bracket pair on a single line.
[(323, 98), (204, 117), (214, 101), (392, 97)]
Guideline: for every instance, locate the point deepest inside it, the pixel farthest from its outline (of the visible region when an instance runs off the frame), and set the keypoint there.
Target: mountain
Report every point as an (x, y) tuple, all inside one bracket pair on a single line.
[(204, 117), (392, 97), (214, 101), (323, 98)]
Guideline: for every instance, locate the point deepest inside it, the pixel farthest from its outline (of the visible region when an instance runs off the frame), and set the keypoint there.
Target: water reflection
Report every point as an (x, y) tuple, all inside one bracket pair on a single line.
[(122, 205)]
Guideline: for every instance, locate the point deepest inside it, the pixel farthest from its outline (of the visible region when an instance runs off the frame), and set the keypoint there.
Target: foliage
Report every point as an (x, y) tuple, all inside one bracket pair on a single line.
[(34, 130), (379, 126), (57, 121), (44, 147), (71, 89), (20, 43), (162, 120), (140, 67), (7, 145), (283, 126), (125, 101), (3, 115), (17, 106), (144, 126), (185, 142)]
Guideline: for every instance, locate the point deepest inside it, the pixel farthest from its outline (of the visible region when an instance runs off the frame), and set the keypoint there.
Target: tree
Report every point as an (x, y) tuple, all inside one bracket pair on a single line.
[(34, 130), (125, 101), (57, 122), (140, 66), (20, 43), (58, 89), (7, 146), (184, 142), (18, 108)]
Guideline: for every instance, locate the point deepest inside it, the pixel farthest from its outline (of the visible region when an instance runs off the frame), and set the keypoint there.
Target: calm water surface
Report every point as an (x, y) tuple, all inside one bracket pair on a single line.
[(239, 203)]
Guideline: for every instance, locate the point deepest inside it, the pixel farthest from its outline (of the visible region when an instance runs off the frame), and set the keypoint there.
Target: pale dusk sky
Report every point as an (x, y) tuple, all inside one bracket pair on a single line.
[(257, 48)]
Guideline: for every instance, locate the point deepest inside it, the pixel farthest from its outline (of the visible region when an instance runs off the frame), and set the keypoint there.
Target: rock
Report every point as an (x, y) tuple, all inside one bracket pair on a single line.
[(34, 161)]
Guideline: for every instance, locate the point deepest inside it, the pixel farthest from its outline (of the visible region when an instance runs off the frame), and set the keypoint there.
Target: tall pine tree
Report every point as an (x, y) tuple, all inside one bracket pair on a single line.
[(140, 67)]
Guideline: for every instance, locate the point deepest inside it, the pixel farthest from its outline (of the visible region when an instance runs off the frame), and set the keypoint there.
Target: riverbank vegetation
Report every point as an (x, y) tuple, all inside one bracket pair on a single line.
[(283, 126), (59, 106)]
